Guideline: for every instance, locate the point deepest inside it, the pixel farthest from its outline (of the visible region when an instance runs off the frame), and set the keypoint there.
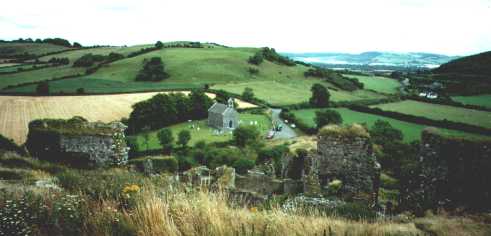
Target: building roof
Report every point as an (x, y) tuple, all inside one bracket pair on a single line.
[(220, 108)]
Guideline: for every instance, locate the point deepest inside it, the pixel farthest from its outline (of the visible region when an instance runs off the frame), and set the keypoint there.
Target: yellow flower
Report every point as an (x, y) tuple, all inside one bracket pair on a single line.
[(133, 188), (253, 209)]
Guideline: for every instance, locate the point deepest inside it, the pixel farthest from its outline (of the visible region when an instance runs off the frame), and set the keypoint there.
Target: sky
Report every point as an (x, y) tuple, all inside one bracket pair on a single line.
[(439, 26)]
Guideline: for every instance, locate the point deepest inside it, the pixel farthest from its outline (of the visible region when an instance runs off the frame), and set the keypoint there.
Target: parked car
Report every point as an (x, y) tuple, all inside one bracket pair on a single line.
[(270, 134)]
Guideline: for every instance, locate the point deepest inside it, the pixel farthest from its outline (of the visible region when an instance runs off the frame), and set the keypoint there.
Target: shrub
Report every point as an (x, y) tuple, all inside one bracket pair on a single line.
[(7, 144), (253, 71), (165, 164), (42, 88), (327, 117), (320, 96), (257, 59), (183, 138), (153, 70), (80, 91), (242, 165), (248, 95), (245, 135)]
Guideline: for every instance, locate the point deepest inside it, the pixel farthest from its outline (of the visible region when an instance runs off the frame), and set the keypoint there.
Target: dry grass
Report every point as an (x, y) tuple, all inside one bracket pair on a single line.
[(17, 111), (354, 130), (205, 213), (452, 226)]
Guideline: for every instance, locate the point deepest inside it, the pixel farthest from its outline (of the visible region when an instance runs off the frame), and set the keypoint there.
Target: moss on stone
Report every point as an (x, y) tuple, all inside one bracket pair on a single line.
[(352, 131), (74, 126)]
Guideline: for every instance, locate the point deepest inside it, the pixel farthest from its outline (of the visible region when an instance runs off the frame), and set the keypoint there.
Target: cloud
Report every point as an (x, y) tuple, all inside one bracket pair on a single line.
[(449, 27)]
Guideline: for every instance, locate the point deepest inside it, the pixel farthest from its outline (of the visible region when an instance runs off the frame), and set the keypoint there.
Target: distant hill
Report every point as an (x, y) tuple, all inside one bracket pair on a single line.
[(12, 50), (426, 60), (478, 65)]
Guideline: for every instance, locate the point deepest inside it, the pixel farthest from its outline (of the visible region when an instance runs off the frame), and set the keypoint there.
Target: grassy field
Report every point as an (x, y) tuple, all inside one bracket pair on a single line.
[(378, 83), (411, 131), (289, 91), (204, 133), (440, 112), (73, 55), (8, 49), (223, 68), (59, 71), (102, 86), (480, 100), (18, 111)]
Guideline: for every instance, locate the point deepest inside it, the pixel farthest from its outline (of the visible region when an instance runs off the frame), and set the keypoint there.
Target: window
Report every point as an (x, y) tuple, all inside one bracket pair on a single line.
[(230, 124)]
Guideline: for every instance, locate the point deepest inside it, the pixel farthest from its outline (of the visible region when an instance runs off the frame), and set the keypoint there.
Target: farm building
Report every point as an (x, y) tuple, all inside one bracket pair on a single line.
[(223, 117)]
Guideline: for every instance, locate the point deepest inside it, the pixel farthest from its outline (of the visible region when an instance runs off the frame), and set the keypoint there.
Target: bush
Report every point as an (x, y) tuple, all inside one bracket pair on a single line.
[(320, 96), (165, 164), (80, 91), (248, 95), (7, 144), (253, 71), (242, 165), (257, 59), (327, 117), (153, 70), (245, 135), (42, 88)]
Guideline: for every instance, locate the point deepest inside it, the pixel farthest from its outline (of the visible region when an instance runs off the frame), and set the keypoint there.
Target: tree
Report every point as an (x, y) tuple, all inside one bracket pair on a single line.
[(320, 96), (166, 139), (159, 45), (77, 45), (245, 135), (383, 133), (200, 102), (42, 88), (242, 165), (327, 117), (256, 59), (153, 70), (183, 137), (248, 95)]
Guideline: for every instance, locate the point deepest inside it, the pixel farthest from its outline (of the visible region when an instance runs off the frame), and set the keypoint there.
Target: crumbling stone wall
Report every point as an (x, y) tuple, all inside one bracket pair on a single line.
[(78, 142), (454, 172), (343, 154), (350, 160)]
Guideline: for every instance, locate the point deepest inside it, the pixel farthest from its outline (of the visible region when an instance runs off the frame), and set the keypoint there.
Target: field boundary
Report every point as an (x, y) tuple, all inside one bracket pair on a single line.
[(423, 120)]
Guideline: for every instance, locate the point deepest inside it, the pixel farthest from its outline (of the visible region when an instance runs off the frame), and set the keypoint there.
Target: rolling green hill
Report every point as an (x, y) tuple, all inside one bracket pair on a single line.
[(189, 67), (8, 50), (478, 65)]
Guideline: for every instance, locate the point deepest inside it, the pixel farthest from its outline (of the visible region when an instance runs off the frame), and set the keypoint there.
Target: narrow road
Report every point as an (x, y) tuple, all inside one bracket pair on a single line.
[(286, 132)]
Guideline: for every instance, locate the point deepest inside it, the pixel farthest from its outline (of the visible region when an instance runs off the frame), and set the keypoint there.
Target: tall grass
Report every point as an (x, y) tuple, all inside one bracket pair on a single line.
[(210, 213)]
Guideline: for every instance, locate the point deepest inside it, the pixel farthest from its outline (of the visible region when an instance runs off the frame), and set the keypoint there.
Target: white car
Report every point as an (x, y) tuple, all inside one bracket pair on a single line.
[(270, 134)]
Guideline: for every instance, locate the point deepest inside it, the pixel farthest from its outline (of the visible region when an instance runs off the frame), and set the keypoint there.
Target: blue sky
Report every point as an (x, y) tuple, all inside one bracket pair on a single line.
[(439, 26)]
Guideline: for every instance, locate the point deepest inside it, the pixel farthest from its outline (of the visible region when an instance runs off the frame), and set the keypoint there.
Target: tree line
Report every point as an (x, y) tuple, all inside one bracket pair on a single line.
[(167, 109)]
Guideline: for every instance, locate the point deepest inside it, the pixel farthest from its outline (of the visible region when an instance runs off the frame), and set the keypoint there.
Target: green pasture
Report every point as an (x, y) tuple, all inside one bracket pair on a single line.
[(378, 83), (440, 112), (289, 91), (60, 71), (31, 48), (411, 131), (479, 100)]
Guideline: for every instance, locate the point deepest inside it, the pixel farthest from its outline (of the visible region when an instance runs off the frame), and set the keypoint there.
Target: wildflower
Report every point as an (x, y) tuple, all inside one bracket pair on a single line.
[(253, 209), (131, 189)]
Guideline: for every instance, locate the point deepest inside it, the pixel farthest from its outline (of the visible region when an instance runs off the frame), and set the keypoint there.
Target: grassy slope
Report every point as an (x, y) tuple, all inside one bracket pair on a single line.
[(411, 131), (378, 83), (480, 100), (440, 112), (227, 68), (205, 133), (31, 48), (60, 71)]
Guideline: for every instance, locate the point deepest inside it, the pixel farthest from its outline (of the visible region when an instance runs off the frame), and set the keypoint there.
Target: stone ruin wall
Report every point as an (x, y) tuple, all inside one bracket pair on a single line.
[(349, 160), (98, 148)]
